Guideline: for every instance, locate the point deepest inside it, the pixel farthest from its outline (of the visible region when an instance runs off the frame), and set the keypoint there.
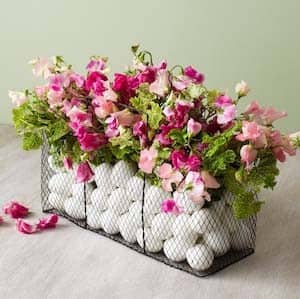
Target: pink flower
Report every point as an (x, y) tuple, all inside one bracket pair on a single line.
[(250, 131), (140, 130), (163, 136), (112, 128), (41, 90), (55, 98), (148, 75), (96, 65), (147, 159), (242, 89), (169, 176), (193, 127), (77, 79), (228, 114), (161, 85), (209, 180), (92, 141), (15, 210), (17, 98), (25, 227), (125, 86), (194, 75), (180, 160), (95, 83), (254, 108), (48, 222), (281, 145), (1, 219), (103, 107), (165, 171), (194, 186), (126, 118), (84, 172), (169, 206), (223, 101), (248, 155), (80, 117), (178, 116), (68, 163)]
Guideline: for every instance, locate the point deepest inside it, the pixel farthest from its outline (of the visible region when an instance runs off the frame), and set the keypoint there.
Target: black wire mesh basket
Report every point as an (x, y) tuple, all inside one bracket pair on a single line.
[(122, 206)]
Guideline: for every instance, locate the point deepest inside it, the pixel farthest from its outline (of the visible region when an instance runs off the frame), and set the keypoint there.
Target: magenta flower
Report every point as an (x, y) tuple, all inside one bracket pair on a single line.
[(84, 172), (25, 227), (170, 206), (68, 163), (140, 130), (178, 116), (48, 222), (223, 100), (112, 128), (248, 155), (125, 86), (163, 136), (95, 83), (147, 159), (194, 75), (148, 75), (92, 141), (1, 219), (15, 210), (181, 160), (96, 65)]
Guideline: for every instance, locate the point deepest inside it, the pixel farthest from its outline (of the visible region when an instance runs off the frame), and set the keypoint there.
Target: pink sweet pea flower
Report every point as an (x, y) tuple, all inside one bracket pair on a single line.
[(48, 222), (148, 75), (248, 155), (68, 163), (223, 100), (169, 176), (103, 107), (96, 65), (140, 130), (80, 117), (112, 128), (126, 118), (194, 75), (41, 90), (253, 108), (17, 98), (25, 227), (209, 181), (180, 160), (193, 127), (195, 188), (162, 83), (55, 98), (84, 172), (250, 131), (77, 79), (228, 115), (169, 206), (92, 141), (165, 171), (147, 159), (15, 210), (95, 83)]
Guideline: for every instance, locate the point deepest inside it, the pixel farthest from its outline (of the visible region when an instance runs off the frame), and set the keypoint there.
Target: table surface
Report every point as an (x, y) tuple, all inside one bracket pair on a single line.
[(70, 262)]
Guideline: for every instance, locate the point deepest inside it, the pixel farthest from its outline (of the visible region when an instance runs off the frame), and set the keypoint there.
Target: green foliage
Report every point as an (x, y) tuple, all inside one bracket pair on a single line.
[(179, 137), (57, 130), (32, 140)]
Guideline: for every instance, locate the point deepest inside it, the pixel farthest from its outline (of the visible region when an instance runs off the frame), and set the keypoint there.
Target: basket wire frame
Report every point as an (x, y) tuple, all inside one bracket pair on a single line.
[(126, 209)]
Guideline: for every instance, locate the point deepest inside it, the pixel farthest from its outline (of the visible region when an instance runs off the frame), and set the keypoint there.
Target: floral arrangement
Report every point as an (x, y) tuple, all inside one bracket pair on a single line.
[(182, 135)]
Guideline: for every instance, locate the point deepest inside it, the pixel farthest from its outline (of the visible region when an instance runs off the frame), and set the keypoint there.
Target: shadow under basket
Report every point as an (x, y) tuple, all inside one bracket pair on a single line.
[(126, 209)]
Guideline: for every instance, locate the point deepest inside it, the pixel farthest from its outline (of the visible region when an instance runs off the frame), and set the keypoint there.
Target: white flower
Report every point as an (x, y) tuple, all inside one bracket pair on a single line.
[(242, 89), (41, 67), (17, 98)]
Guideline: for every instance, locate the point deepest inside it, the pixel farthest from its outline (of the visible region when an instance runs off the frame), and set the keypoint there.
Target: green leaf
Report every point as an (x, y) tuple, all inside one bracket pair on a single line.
[(32, 141), (246, 205), (57, 130), (154, 115), (178, 136), (195, 91)]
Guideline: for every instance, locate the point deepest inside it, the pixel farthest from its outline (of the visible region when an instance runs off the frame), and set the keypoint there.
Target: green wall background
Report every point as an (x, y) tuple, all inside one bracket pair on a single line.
[(257, 41)]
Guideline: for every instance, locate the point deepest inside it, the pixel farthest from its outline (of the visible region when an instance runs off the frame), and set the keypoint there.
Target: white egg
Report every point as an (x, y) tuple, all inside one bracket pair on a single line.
[(109, 221), (175, 249), (204, 220), (61, 183), (121, 173), (182, 228), (75, 208), (128, 228), (161, 225), (218, 241), (82, 191), (57, 200), (135, 188), (54, 167), (229, 221), (243, 238), (118, 201), (200, 257), (153, 199), (152, 244), (93, 215), (99, 198), (102, 175), (186, 204)]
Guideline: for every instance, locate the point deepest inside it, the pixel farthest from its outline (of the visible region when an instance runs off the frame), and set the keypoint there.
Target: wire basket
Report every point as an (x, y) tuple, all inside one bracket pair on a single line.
[(124, 207)]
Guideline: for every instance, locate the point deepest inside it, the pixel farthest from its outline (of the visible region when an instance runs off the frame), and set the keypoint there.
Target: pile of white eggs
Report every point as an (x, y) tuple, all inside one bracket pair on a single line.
[(196, 235)]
